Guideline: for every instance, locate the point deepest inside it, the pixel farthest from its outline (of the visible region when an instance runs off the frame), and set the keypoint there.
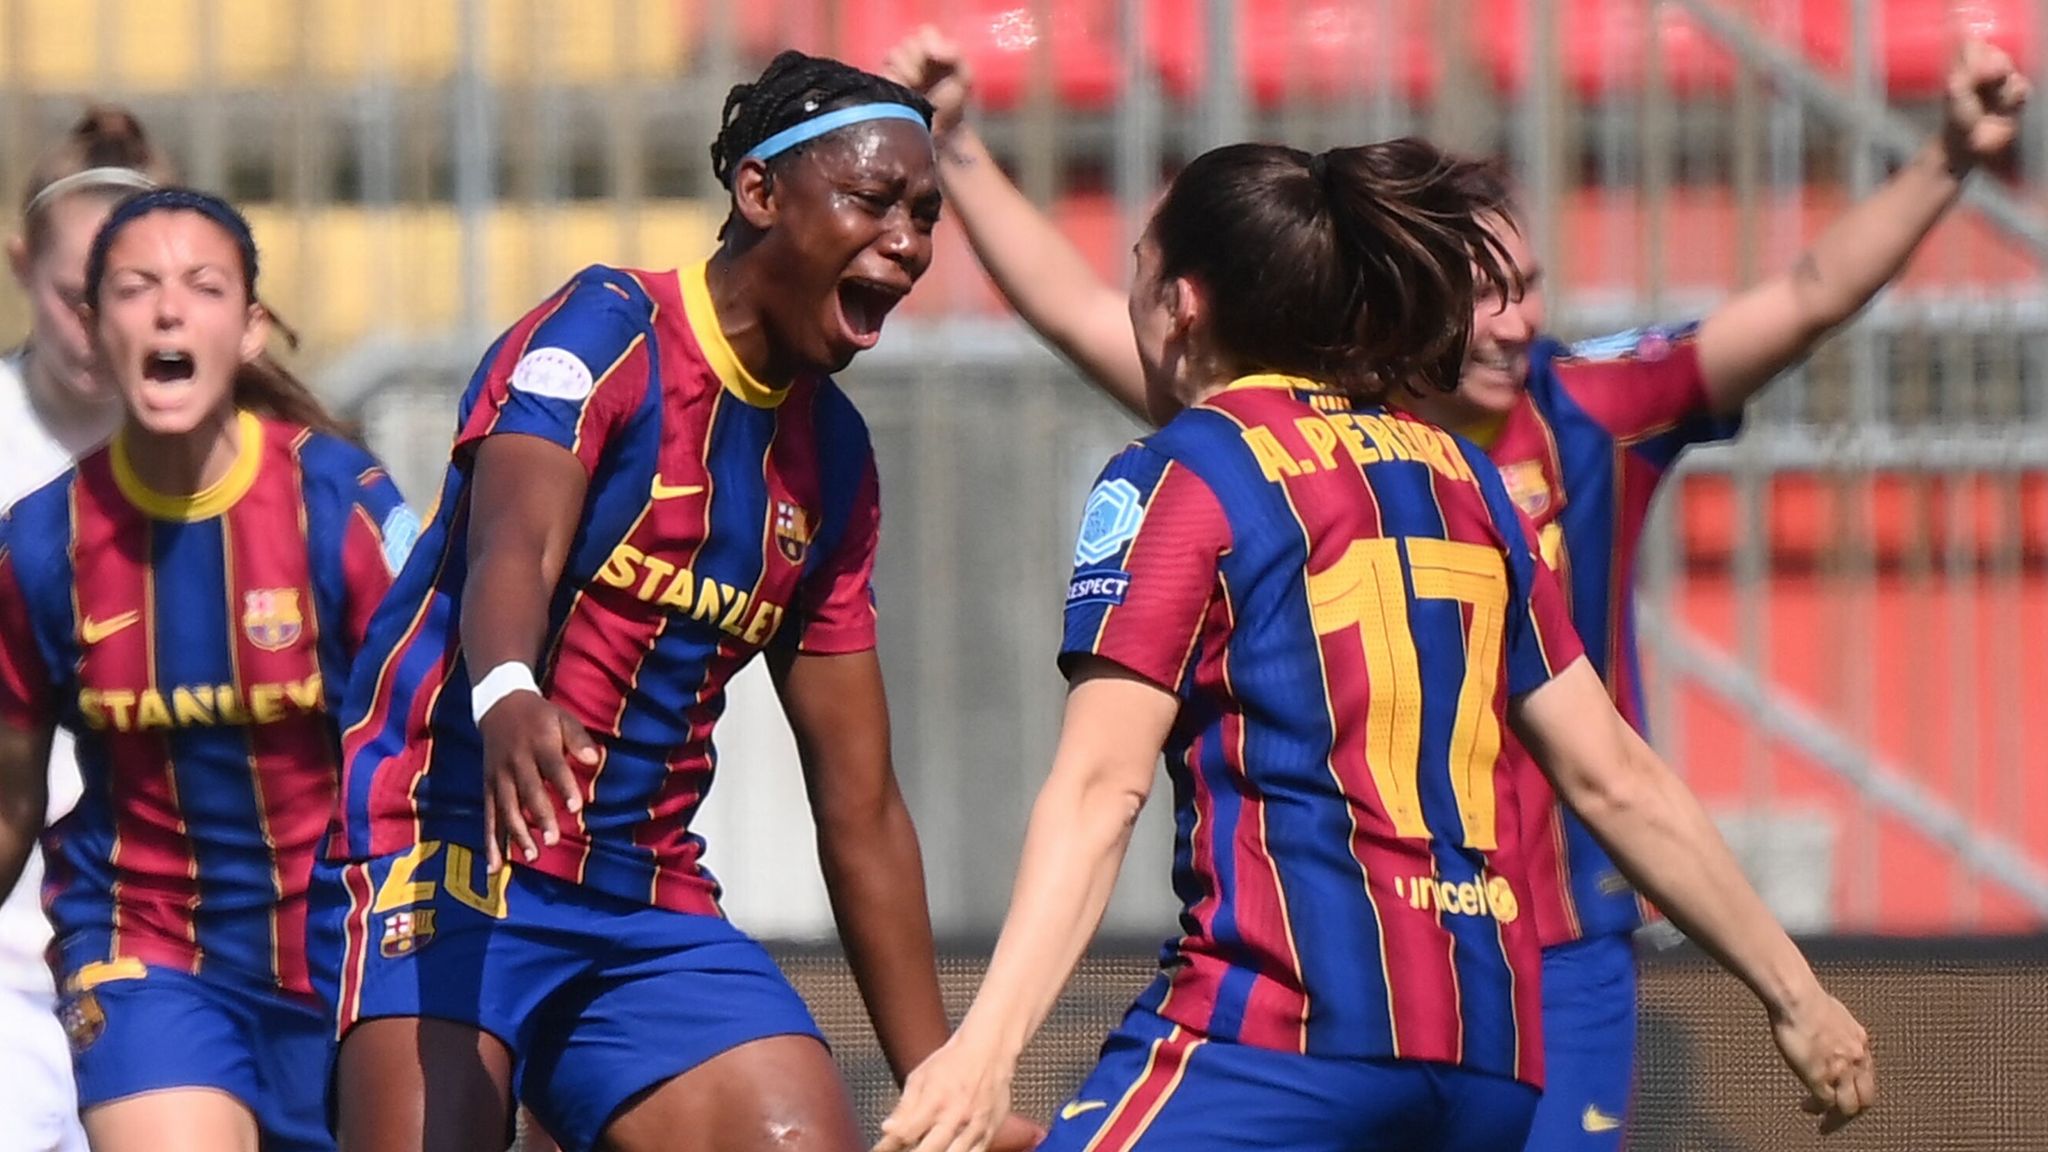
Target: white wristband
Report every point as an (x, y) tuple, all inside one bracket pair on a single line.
[(498, 683)]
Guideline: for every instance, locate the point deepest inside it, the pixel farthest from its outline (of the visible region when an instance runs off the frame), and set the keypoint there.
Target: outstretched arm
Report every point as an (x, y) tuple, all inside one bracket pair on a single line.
[(1666, 845), (1754, 336), (1046, 280)]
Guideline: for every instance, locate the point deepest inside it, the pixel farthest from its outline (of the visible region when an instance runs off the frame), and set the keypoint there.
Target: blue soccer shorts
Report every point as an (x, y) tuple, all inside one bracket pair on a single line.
[(597, 998), (137, 1029), (1589, 1045), (1160, 1088)]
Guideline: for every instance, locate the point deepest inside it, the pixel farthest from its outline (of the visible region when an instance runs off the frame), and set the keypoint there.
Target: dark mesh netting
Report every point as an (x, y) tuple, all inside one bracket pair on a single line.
[(1961, 1035)]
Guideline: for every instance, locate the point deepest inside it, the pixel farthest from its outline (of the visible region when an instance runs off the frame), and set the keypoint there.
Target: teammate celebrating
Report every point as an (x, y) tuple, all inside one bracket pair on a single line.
[(1324, 613), (54, 405), (1583, 436), (185, 602), (654, 480)]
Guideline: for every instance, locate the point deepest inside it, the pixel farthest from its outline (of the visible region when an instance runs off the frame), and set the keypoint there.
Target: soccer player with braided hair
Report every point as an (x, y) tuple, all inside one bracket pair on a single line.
[(654, 479)]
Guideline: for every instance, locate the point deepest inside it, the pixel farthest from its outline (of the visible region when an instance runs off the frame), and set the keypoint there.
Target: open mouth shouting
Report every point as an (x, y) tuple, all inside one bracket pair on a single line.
[(863, 305)]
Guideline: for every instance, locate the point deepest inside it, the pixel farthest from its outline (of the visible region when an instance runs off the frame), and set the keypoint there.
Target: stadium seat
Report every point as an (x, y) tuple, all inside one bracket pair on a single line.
[(1323, 50), (1001, 39), (1605, 46), (1920, 37)]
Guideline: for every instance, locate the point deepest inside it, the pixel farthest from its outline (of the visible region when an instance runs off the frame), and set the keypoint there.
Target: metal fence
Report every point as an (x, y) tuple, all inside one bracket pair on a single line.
[(1838, 606)]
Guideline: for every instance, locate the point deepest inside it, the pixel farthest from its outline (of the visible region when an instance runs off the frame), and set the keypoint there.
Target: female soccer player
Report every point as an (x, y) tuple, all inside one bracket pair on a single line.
[(1324, 613), (53, 405), (185, 601), (1582, 434), (653, 481)]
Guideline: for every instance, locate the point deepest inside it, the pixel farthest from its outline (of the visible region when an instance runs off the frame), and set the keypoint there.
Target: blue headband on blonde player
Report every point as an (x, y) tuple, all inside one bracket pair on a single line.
[(169, 200), (817, 126)]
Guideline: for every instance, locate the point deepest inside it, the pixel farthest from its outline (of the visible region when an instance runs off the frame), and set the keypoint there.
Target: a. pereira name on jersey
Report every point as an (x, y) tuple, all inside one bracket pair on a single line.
[(1363, 438), (199, 705), (652, 580)]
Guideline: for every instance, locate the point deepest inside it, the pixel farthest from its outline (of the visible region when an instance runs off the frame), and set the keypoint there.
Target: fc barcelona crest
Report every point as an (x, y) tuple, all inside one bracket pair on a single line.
[(271, 619), (406, 933), (1528, 487), (83, 1019), (792, 531)]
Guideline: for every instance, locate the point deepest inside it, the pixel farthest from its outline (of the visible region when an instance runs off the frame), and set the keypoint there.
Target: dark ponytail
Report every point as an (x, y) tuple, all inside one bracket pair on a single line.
[(1358, 267)]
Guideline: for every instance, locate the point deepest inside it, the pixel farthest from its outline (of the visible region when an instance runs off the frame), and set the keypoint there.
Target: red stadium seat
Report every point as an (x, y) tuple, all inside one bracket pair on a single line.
[(1001, 39), (1920, 37), (1324, 50), (1605, 46)]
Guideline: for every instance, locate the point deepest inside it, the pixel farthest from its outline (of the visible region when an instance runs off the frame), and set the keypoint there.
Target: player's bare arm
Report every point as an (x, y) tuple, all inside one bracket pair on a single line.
[(868, 850), (24, 798), (867, 846), (1756, 335), (524, 506), (1667, 846), (1074, 847), (1045, 278)]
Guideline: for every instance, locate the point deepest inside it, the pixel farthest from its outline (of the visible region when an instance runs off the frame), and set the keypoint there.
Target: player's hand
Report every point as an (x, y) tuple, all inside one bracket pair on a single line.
[(1986, 94), (1830, 1052), (1016, 1134), (958, 1100), (929, 64), (528, 743)]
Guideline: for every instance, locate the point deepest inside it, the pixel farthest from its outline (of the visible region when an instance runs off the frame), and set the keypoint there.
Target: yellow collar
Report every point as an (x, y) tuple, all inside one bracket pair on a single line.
[(1276, 380), (702, 317), (210, 501), (1485, 433)]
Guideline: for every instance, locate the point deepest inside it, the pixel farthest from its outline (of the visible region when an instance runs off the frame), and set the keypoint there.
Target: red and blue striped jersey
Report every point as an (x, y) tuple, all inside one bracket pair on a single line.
[(722, 516), (197, 648), (1600, 425), (1344, 601)]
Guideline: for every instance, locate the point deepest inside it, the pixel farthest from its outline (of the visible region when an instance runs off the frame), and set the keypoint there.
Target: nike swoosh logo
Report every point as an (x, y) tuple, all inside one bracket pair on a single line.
[(661, 491), (1594, 1120), (1080, 1107), (93, 631)]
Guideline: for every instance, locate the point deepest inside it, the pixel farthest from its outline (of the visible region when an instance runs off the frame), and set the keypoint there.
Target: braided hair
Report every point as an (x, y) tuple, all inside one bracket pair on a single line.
[(792, 89)]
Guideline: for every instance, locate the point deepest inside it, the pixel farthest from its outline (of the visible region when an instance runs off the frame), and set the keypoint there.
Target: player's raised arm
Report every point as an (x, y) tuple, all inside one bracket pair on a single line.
[(1048, 282), (1667, 846), (1759, 333)]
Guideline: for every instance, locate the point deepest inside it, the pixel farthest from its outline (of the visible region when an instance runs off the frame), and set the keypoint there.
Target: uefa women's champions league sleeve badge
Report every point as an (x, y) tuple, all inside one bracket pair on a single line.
[(1109, 521)]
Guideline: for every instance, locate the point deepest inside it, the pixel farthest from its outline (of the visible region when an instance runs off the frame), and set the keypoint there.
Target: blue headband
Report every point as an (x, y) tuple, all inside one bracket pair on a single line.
[(817, 126), (169, 200)]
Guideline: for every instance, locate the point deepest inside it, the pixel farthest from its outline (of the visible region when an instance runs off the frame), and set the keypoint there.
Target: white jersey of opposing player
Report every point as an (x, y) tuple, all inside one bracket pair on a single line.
[(38, 1107)]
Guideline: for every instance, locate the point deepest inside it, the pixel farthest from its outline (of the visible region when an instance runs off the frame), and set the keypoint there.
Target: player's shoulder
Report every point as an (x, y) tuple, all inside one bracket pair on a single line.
[(595, 312), (33, 529), (609, 288)]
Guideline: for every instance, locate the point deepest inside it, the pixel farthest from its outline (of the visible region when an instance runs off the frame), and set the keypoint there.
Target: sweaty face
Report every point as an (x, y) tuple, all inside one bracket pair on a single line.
[(1497, 360), (174, 320), (853, 232), (54, 280)]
